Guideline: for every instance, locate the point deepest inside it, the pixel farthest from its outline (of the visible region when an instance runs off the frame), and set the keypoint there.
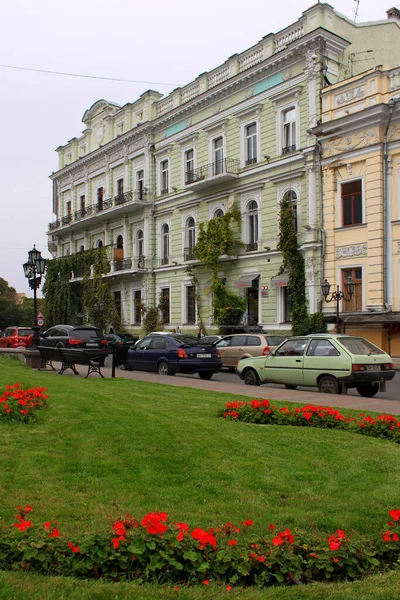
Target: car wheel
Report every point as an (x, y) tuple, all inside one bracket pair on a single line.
[(368, 390), (289, 386), (328, 385), (163, 368), (251, 377), (206, 374)]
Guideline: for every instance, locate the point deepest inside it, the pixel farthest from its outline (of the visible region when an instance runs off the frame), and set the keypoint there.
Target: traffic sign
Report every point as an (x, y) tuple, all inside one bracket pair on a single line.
[(40, 322), (39, 315)]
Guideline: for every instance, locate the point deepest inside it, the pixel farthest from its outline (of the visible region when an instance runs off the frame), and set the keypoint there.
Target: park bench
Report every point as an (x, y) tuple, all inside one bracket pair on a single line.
[(70, 358)]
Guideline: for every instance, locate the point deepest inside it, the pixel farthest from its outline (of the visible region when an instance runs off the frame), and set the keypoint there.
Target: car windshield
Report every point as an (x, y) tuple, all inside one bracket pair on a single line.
[(124, 336), (86, 334), (189, 340), (25, 331), (359, 346)]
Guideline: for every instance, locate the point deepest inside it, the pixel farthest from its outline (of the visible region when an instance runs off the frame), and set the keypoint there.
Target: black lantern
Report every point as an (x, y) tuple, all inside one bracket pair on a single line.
[(34, 268), (338, 295)]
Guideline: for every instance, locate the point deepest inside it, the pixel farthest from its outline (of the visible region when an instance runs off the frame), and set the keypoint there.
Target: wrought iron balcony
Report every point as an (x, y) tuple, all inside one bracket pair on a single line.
[(105, 205), (54, 225), (123, 198), (84, 212), (67, 219), (123, 265), (220, 171), (252, 246), (288, 149), (188, 254)]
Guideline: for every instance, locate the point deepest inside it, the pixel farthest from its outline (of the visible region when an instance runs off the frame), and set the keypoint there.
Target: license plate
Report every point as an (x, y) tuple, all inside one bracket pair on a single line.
[(373, 367), (89, 345), (203, 355)]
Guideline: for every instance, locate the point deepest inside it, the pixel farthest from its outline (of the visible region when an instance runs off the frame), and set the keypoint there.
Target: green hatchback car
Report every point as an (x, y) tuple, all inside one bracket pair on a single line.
[(328, 361)]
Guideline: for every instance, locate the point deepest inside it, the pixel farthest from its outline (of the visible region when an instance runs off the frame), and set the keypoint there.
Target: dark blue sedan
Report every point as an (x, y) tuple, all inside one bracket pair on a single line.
[(170, 354)]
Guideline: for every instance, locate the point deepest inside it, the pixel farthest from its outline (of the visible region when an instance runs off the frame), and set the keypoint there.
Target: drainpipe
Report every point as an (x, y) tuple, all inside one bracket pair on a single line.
[(153, 221), (321, 217), (387, 216)]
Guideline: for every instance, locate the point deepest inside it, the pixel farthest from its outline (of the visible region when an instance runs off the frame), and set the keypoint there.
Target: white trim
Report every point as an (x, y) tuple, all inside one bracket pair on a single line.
[(245, 201), (160, 160), (165, 286), (185, 285), (243, 140), (211, 139), (185, 219), (294, 186), (212, 209), (185, 149), (161, 241), (136, 287), (280, 110)]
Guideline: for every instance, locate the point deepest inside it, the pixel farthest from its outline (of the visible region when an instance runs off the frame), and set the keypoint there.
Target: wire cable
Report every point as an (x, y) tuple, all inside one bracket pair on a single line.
[(87, 76)]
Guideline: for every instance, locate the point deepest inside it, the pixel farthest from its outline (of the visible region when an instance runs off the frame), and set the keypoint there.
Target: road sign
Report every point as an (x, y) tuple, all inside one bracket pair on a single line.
[(39, 315), (40, 322)]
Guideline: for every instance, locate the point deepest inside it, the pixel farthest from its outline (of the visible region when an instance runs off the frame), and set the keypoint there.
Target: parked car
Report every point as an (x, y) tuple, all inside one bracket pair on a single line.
[(210, 339), (121, 339), (16, 337), (244, 345), (327, 361), (80, 336), (170, 354)]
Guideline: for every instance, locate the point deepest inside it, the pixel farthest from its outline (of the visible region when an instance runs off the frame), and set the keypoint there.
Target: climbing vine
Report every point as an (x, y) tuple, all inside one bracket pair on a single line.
[(219, 237), (293, 264), (66, 301)]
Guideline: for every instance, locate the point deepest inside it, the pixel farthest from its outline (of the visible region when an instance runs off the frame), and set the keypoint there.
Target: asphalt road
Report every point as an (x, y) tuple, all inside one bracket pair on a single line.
[(392, 387)]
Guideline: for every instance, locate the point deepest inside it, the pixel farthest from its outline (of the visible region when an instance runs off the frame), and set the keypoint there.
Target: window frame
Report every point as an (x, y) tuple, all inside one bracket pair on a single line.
[(341, 203), (164, 176), (165, 257), (161, 289), (252, 230), (189, 237), (186, 161), (134, 307)]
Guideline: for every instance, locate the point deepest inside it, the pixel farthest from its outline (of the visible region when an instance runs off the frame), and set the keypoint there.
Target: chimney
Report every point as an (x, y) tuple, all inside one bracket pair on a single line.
[(393, 13)]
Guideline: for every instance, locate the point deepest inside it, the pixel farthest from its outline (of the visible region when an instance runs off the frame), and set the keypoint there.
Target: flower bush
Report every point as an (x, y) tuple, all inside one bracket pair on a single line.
[(263, 413), (156, 550), (19, 405)]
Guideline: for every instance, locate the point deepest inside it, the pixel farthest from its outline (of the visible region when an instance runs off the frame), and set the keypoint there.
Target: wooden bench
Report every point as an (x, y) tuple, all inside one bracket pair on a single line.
[(70, 358)]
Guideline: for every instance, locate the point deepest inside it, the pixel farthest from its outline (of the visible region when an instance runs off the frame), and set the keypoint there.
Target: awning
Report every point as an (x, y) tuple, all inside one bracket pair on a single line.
[(246, 280), (280, 280)]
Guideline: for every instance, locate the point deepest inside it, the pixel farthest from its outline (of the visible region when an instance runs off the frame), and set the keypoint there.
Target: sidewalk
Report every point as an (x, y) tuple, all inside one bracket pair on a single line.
[(239, 389)]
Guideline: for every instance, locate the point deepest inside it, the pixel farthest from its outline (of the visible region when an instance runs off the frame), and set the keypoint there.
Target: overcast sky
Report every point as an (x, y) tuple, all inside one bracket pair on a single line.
[(151, 42)]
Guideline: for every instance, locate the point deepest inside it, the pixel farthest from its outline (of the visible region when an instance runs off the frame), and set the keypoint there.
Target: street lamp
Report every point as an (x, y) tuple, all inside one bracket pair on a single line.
[(338, 295), (33, 271)]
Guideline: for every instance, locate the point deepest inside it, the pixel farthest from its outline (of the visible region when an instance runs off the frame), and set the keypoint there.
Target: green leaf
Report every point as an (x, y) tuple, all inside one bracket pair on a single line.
[(137, 547)]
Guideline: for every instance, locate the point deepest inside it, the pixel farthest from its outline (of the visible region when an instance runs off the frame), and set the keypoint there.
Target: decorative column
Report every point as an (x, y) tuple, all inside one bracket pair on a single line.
[(311, 272), (389, 241), (312, 195), (313, 68)]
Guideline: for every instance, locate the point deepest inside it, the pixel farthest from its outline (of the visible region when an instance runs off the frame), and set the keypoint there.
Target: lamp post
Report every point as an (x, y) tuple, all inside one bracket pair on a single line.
[(33, 271), (338, 295)]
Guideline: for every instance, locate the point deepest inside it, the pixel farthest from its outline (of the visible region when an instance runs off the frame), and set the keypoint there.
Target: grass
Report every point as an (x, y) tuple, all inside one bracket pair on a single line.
[(112, 446)]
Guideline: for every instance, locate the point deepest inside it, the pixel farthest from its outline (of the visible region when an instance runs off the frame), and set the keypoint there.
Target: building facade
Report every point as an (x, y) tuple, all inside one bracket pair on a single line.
[(142, 177), (360, 144)]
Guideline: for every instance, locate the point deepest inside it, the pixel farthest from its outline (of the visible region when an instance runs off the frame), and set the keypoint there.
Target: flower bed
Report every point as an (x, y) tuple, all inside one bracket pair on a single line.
[(156, 550), (19, 405), (263, 413)]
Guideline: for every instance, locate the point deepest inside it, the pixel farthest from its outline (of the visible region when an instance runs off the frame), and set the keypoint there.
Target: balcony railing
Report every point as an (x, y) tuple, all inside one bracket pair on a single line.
[(223, 170), (67, 219), (105, 205), (252, 246), (250, 161), (288, 149), (54, 225), (123, 265), (84, 212), (123, 198), (188, 254)]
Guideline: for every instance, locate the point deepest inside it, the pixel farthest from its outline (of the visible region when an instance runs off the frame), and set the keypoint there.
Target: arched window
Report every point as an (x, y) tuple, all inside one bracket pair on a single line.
[(291, 197), (190, 238), (252, 226), (119, 252), (165, 244), (120, 242), (99, 243), (218, 213), (140, 249), (82, 249)]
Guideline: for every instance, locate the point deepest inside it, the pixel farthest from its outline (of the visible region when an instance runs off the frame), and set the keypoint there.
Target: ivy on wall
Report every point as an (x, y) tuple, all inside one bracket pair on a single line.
[(219, 237), (68, 302)]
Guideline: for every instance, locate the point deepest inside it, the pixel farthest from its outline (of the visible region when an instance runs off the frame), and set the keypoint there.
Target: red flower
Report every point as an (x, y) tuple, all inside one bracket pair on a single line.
[(204, 537), (206, 581), (115, 542), (272, 527), (282, 537), (395, 514), (73, 548), (229, 587), (336, 560), (47, 525), (232, 542), (248, 523)]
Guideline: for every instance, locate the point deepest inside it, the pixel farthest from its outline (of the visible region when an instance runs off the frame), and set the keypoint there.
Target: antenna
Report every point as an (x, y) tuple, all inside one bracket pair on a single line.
[(356, 11)]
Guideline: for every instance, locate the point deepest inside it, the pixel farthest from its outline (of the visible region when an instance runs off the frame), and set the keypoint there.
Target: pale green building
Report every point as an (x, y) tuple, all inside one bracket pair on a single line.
[(142, 177)]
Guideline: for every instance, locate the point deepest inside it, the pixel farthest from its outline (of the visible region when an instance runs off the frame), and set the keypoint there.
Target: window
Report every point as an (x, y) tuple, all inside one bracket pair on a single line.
[(190, 304), (322, 348), (118, 304), (291, 197), (137, 307), (218, 213), (289, 130), (218, 156), (351, 203), (165, 244), (251, 143), (189, 166), (140, 249), (140, 184), (100, 197), (82, 202), (120, 188), (165, 304), (287, 304), (69, 208), (190, 238), (99, 244), (355, 303), (252, 226), (292, 348), (164, 172)]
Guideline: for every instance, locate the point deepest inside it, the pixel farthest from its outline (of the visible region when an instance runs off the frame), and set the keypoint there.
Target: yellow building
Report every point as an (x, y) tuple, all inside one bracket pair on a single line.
[(359, 140)]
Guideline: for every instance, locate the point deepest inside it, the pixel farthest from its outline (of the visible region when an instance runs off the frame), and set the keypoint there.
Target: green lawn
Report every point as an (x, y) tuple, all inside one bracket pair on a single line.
[(109, 447)]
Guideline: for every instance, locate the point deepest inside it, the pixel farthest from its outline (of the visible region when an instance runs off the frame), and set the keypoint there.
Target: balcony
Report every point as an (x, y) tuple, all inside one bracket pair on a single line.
[(216, 173), (67, 219), (123, 265), (54, 225), (84, 212), (123, 198), (289, 149)]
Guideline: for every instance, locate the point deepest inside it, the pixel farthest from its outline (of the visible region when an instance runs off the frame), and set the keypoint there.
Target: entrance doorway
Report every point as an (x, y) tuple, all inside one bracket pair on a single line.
[(253, 301)]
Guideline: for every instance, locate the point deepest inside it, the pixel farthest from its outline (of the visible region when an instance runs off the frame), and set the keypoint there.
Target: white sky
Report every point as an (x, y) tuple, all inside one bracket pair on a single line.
[(170, 42)]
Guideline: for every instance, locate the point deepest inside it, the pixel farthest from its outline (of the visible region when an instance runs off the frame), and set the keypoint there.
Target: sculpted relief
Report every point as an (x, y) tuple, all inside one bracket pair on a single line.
[(344, 144)]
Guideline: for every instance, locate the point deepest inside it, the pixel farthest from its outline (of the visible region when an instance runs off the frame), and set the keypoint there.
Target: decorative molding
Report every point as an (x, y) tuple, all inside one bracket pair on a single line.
[(363, 139), (350, 95), (350, 251)]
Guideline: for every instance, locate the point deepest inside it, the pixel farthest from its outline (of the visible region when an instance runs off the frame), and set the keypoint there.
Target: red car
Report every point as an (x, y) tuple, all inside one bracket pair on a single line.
[(16, 337)]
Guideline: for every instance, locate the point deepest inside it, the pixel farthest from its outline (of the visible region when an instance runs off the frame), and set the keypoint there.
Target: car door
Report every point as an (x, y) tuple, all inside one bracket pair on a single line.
[(235, 350), (323, 357), (157, 349), (286, 364), (223, 346), (4, 340), (138, 357)]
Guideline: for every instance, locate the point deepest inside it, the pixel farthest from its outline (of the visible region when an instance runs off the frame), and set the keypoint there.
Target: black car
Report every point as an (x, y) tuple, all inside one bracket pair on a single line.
[(169, 354), (88, 338)]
